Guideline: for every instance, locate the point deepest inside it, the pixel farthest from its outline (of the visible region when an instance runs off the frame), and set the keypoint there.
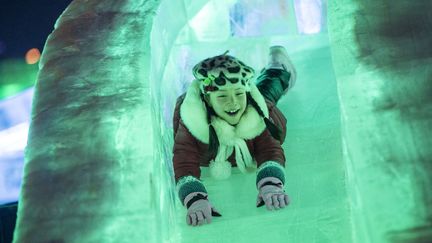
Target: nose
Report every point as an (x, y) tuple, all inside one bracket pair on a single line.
[(232, 101)]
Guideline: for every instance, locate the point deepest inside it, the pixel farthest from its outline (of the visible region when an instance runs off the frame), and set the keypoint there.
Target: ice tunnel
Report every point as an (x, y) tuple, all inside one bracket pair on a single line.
[(358, 148)]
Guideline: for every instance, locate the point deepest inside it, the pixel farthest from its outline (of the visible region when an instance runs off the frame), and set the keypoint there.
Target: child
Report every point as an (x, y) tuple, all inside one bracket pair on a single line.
[(225, 120)]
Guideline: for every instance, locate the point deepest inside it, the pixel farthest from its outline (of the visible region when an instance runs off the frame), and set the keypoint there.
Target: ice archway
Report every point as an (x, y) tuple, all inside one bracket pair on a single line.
[(98, 161)]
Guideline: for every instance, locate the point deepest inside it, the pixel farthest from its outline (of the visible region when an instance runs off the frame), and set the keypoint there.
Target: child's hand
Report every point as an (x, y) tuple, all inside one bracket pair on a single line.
[(272, 194), (200, 210)]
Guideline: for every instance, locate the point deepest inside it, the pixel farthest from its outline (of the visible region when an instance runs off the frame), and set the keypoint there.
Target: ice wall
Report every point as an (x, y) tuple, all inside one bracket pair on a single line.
[(382, 57), (164, 93), (89, 158)]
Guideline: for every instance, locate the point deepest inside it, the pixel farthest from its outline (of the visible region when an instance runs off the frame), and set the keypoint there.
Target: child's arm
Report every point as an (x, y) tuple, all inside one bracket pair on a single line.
[(269, 153), (270, 178), (191, 191), (186, 163), (186, 158)]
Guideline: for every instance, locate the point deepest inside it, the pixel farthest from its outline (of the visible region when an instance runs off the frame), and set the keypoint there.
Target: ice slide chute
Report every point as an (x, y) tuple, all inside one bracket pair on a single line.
[(97, 161)]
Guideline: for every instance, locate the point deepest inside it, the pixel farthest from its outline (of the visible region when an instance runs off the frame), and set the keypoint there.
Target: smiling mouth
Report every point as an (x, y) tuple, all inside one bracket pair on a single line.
[(232, 113)]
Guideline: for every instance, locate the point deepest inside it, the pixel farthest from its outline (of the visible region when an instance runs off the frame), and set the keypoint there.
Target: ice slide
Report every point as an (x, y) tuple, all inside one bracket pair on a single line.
[(98, 166)]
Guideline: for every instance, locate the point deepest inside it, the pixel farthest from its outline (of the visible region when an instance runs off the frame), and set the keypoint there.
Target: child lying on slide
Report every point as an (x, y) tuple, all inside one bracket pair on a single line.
[(225, 119)]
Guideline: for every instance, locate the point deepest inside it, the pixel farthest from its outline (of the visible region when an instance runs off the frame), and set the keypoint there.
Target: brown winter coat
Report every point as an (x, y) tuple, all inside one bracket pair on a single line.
[(190, 152)]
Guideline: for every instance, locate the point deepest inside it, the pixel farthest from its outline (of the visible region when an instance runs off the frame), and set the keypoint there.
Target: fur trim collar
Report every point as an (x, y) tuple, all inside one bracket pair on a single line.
[(194, 115)]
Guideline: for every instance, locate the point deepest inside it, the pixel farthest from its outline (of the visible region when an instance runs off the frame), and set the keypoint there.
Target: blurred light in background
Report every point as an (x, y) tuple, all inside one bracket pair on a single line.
[(32, 56), (258, 18), (309, 16), (16, 76), (12, 144), (220, 19), (14, 124)]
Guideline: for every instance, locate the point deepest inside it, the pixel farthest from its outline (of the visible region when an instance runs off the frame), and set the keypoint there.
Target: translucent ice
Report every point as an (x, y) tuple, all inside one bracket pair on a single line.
[(98, 162)]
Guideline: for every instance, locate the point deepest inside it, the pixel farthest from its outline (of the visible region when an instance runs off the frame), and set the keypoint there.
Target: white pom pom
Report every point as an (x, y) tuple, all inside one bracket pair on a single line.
[(220, 170)]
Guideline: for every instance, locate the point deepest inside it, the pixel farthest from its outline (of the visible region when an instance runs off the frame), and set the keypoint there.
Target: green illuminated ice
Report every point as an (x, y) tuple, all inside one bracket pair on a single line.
[(98, 162)]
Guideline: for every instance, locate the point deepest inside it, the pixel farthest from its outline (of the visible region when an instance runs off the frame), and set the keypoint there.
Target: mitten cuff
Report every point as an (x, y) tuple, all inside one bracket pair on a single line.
[(271, 169), (269, 181), (187, 185), (193, 197)]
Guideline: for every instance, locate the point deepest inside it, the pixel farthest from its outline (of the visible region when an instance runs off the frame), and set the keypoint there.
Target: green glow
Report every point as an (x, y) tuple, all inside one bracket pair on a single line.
[(103, 138), (15, 76)]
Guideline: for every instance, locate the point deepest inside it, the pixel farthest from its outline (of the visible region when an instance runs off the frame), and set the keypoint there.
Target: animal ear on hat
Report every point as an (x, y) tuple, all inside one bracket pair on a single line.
[(247, 72), (199, 70)]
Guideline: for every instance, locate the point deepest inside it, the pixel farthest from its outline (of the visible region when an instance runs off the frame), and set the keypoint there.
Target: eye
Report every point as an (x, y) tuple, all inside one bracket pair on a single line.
[(240, 94), (221, 96)]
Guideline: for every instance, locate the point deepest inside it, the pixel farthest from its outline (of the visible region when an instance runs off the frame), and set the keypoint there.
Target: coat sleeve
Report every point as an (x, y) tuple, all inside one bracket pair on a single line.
[(269, 153), (278, 119), (185, 159), (176, 116), (186, 154), (270, 158), (267, 148)]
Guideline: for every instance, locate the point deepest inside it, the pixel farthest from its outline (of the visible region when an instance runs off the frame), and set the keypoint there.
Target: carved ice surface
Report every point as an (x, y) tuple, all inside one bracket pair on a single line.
[(98, 163)]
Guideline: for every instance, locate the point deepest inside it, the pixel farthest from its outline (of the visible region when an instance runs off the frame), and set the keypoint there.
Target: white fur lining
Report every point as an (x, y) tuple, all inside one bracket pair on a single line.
[(194, 116), (193, 113)]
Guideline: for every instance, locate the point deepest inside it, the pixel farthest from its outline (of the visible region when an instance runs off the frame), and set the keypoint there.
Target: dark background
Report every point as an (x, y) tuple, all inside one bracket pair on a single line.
[(26, 24)]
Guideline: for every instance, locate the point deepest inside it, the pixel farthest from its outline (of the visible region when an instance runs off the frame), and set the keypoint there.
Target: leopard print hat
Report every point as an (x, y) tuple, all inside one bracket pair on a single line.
[(222, 71)]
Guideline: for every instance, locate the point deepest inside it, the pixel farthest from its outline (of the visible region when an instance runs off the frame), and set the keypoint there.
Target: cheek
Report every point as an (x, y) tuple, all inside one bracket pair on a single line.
[(244, 102), (217, 106), (212, 101)]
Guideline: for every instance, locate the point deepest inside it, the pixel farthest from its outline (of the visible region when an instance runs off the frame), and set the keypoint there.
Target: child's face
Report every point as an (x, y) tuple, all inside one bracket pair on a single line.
[(226, 100)]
